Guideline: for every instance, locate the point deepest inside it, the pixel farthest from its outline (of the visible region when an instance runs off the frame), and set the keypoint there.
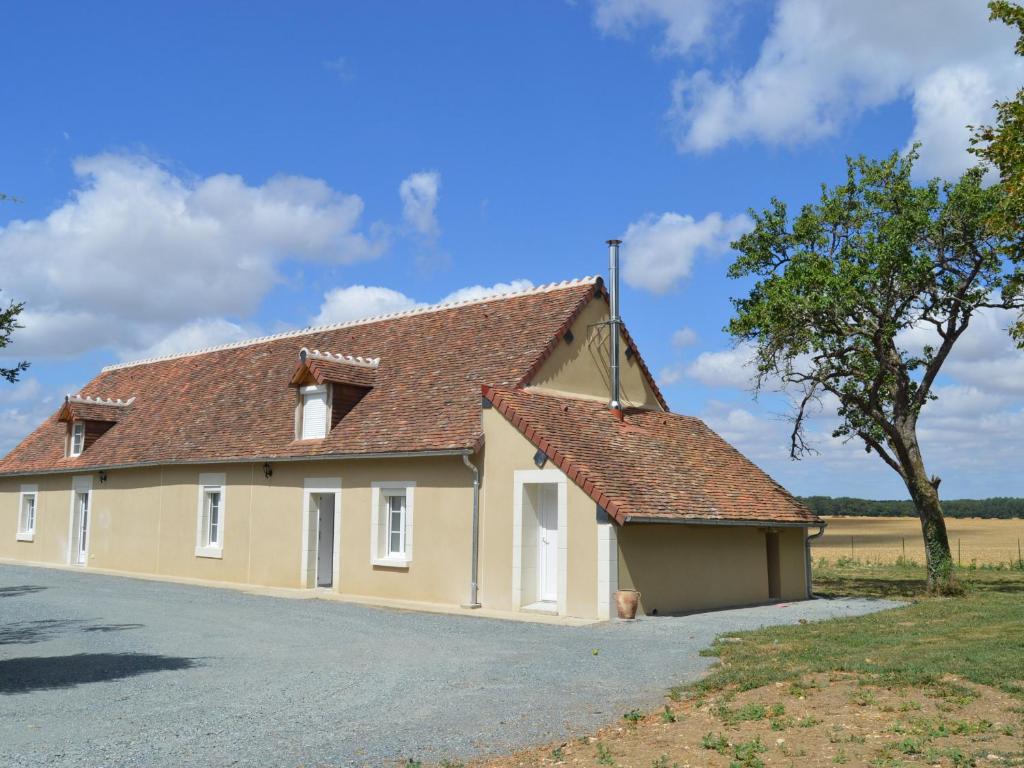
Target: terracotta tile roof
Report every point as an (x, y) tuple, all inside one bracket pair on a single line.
[(81, 408), (650, 465), (340, 369), (234, 402)]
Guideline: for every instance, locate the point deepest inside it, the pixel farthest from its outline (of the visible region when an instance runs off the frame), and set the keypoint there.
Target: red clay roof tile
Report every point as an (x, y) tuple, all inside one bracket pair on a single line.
[(234, 402), (649, 466)]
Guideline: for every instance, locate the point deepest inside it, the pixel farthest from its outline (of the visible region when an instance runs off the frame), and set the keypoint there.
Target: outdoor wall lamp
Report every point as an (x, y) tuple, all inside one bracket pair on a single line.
[(268, 470), (103, 475)]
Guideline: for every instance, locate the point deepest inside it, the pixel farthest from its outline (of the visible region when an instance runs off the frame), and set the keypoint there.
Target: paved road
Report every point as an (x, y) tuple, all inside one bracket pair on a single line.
[(108, 671)]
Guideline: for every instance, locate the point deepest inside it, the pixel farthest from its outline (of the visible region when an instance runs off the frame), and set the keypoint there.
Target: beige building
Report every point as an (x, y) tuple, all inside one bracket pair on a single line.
[(461, 454)]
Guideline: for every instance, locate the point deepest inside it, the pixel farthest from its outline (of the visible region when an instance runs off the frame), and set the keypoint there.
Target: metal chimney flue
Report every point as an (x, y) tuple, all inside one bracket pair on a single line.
[(614, 323)]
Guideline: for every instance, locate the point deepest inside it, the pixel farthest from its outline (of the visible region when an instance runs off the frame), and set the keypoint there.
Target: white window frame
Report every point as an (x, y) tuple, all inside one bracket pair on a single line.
[(378, 554), (79, 484), (76, 426), (307, 570), (215, 482), (28, 533), (520, 478), (314, 389)]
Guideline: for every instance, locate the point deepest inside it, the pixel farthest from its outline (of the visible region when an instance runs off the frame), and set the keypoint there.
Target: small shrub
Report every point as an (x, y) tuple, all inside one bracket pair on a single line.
[(604, 755), (634, 716), (909, 746), (558, 753), (808, 721), (667, 715), (746, 712), (747, 752), (715, 741)]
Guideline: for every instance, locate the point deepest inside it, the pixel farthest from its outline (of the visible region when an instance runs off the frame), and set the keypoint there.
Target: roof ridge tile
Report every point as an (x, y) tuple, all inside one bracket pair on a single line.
[(360, 321)]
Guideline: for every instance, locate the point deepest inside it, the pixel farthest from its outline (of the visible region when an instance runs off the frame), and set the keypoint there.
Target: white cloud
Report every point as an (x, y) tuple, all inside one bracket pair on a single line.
[(341, 67), (419, 193), (479, 291), (686, 22), (659, 251), (824, 64), (23, 407), (684, 337), (138, 252), (195, 335), (731, 368), (972, 435), (672, 374), (358, 301)]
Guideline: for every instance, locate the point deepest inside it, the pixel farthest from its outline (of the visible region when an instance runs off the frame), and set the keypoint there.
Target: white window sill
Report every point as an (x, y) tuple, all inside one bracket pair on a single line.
[(31, 536), (392, 562), (214, 552)]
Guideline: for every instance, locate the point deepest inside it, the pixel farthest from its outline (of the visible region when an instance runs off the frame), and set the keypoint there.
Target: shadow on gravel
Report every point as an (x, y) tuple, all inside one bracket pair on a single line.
[(24, 589), (35, 673), (25, 632), (111, 627)]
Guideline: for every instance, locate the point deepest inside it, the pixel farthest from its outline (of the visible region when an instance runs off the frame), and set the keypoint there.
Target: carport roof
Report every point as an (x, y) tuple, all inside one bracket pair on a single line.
[(651, 466)]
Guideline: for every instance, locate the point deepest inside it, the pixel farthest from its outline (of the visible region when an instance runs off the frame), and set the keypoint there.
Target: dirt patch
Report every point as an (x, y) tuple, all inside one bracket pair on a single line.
[(825, 720)]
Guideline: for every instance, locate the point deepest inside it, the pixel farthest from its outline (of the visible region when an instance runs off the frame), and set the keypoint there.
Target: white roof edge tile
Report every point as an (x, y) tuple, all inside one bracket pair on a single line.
[(592, 279), (86, 400), (366, 362)]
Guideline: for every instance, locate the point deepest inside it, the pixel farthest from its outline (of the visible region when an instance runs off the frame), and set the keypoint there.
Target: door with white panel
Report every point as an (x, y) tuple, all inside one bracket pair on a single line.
[(547, 542)]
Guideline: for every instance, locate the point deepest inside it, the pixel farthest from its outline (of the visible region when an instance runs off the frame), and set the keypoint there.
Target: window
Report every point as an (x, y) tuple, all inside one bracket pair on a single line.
[(27, 513), (314, 413), (392, 523), (211, 517), (77, 438), (396, 523), (210, 526)]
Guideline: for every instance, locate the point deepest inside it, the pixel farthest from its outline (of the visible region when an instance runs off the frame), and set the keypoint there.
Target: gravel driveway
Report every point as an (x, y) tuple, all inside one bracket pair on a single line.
[(108, 671)]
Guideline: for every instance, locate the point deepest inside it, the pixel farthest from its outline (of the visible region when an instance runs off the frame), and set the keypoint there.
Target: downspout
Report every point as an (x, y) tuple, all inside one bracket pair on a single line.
[(474, 601), (807, 546)]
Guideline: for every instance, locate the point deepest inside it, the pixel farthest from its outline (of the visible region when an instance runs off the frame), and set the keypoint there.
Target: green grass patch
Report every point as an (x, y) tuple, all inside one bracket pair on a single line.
[(979, 637)]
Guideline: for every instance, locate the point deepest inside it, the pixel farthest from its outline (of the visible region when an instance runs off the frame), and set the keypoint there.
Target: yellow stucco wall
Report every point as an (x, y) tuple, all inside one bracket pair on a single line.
[(145, 521), (792, 556), (582, 367), (508, 451), (53, 504), (680, 568)]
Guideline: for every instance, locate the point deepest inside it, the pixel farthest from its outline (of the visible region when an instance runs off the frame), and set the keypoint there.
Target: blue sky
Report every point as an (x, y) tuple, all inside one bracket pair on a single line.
[(191, 174)]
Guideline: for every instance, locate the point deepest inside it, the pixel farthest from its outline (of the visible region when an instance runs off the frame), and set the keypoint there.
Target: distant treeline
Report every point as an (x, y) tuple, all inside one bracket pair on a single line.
[(1000, 508)]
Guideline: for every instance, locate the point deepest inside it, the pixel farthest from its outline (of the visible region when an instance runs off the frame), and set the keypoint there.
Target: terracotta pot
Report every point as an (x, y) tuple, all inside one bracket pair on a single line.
[(626, 602)]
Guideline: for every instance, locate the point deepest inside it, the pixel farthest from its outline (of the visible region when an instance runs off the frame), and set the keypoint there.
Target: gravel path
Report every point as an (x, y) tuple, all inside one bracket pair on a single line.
[(109, 671)]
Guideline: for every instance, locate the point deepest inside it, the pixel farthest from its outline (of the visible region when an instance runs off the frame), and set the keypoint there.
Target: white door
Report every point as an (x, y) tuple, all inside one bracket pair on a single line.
[(325, 540), (82, 513), (547, 539)]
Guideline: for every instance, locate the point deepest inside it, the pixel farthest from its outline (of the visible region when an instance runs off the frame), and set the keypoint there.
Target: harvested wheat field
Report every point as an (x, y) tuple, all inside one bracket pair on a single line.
[(887, 539)]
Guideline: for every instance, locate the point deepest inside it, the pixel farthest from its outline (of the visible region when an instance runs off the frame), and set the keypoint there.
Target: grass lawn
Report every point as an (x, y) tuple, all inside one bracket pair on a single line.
[(937, 682)]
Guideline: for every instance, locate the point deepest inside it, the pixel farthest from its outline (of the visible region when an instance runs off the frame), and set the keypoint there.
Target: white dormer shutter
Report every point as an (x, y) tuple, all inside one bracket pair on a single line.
[(314, 412)]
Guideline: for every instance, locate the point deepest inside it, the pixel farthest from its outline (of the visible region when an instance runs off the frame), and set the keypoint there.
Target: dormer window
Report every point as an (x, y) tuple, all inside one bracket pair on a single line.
[(88, 419), (328, 386), (77, 438), (314, 412)]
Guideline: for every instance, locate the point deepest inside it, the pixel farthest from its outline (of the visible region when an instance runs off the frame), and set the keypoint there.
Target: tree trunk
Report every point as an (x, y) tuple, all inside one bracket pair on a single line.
[(925, 494)]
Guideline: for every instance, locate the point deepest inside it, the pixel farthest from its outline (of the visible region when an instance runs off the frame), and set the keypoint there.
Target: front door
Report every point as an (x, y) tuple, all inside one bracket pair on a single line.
[(547, 539), (325, 540), (82, 526)]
